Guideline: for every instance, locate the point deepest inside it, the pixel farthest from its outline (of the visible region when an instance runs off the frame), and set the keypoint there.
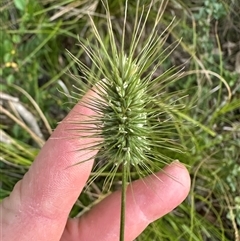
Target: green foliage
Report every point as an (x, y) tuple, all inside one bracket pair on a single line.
[(203, 119)]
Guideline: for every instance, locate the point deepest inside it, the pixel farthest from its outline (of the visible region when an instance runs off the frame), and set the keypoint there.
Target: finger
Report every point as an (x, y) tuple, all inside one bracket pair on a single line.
[(39, 205), (147, 200)]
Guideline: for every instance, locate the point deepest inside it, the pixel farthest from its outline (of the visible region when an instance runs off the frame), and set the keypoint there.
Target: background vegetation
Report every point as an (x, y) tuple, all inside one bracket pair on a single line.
[(35, 69)]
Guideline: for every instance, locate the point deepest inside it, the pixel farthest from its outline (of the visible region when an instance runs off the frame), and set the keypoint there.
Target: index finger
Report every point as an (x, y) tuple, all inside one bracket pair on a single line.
[(39, 204)]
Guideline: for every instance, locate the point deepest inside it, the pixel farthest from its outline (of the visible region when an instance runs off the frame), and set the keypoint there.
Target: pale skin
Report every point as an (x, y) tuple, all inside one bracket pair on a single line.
[(39, 204)]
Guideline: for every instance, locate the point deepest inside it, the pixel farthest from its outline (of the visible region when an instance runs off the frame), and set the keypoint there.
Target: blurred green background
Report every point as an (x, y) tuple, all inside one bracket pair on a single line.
[(35, 80)]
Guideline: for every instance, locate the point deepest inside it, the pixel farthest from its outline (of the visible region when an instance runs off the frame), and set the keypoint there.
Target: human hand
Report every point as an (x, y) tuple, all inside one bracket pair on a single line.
[(39, 204)]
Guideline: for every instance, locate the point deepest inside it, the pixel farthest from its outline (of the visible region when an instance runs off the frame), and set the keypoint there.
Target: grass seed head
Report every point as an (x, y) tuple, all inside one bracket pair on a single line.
[(131, 112)]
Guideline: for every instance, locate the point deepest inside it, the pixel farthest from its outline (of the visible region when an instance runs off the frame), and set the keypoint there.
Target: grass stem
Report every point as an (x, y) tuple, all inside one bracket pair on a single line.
[(123, 202)]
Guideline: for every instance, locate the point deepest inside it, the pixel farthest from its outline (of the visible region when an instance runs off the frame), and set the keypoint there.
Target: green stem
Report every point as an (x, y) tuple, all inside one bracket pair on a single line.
[(123, 202)]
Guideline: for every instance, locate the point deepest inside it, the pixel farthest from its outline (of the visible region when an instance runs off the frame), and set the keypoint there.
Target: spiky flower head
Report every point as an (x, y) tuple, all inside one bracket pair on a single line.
[(125, 117), (135, 115), (131, 107)]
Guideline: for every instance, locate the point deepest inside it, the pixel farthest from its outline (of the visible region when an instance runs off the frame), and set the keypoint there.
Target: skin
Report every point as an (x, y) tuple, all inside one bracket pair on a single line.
[(39, 204)]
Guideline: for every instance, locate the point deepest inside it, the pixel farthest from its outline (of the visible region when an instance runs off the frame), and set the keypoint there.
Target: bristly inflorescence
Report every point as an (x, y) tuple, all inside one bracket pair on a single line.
[(131, 107), (124, 117), (134, 115)]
